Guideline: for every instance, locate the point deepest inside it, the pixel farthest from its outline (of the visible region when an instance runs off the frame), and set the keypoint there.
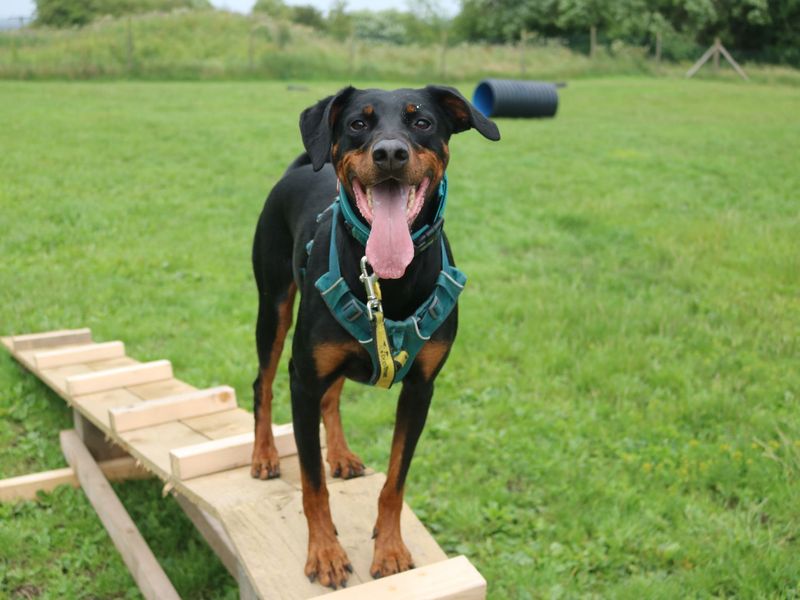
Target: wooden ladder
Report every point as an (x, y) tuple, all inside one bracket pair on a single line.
[(135, 419)]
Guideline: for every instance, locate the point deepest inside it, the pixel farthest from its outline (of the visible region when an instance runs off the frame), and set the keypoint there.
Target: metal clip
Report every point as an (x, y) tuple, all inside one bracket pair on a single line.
[(373, 289)]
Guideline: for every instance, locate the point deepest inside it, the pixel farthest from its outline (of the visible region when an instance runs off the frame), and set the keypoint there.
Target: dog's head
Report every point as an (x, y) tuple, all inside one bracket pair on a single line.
[(389, 150)]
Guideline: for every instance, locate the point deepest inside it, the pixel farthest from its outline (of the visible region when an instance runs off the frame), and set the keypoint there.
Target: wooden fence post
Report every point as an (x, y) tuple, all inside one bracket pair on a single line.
[(129, 45), (443, 59), (717, 44), (351, 60), (250, 50), (658, 46)]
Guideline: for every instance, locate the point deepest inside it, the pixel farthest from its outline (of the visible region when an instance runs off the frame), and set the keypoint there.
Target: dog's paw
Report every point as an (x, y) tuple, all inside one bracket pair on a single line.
[(328, 563), (266, 464), (391, 556), (345, 464)]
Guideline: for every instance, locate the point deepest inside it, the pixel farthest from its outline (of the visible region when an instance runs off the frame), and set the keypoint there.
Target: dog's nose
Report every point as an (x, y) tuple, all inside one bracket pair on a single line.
[(390, 155)]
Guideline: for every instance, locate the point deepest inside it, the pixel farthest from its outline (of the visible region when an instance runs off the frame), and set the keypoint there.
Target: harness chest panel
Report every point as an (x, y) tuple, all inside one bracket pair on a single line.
[(405, 337)]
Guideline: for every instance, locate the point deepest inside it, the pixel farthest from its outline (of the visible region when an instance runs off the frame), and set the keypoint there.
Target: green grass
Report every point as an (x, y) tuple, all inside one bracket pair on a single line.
[(619, 417)]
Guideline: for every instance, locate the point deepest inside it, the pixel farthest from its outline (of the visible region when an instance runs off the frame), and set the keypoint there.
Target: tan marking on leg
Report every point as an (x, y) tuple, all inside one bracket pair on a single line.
[(343, 462), (391, 555), (430, 357), (329, 356), (327, 560), (265, 462)]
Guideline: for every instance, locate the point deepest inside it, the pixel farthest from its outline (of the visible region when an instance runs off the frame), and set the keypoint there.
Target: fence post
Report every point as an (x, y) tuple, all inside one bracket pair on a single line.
[(129, 45), (716, 53), (250, 50), (592, 41), (658, 46), (443, 63), (351, 60)]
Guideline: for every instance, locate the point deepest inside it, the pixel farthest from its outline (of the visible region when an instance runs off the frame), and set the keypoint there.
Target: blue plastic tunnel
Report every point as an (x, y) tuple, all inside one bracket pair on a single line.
[(513, 98)]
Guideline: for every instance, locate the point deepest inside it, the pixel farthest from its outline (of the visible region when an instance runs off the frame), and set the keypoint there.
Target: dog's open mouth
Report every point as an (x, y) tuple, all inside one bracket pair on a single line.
[(390, 208)]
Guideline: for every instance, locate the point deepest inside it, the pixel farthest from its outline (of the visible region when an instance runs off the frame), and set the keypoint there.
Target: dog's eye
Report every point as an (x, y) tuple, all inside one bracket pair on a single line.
[(422, 124), (358, 125)]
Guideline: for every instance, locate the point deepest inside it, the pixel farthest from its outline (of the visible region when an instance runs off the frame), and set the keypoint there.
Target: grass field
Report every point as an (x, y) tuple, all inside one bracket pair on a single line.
[(619, 417)]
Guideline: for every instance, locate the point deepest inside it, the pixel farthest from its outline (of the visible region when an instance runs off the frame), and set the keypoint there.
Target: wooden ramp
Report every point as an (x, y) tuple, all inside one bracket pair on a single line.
[(199, 443)]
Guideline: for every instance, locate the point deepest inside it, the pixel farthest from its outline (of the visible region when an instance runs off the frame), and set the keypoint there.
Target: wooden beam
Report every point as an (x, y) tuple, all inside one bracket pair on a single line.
[(172, 408), (213, 532), (101, 381), (80, 354), (25, 487), (151, 579), (453, 579), (50, 339), (225, 453), (733, 63), (696, 66)]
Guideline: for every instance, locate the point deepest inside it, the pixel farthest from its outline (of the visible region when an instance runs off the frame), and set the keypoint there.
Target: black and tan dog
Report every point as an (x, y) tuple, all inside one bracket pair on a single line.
[(388, 151)]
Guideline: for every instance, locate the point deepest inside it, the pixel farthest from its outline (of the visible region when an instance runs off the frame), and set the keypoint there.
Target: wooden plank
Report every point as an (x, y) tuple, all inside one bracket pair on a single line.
[(57, 377), (25, 487), (226, 453), (112, 363), (213, 532), (276, 520), (172, 408), (152, 445), (453, 579), (136, 554), (222, 425), (160, 389), (246, 589), (119, 377), (95, 406), (79, 354), (51, 339), (220, 491)]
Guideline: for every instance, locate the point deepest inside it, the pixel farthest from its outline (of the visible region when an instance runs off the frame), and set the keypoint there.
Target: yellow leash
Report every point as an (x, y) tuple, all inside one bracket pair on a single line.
[(387, 363)]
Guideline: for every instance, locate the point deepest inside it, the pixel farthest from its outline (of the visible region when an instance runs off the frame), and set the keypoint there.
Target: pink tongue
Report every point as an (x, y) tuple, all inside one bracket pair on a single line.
[(389, 247)]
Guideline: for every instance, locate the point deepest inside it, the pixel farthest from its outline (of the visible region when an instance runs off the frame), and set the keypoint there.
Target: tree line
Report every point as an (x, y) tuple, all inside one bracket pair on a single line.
[(766, 29)]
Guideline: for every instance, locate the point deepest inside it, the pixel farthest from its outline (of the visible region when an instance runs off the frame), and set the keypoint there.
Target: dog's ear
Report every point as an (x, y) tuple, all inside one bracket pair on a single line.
[(316, 126), (462, 114)]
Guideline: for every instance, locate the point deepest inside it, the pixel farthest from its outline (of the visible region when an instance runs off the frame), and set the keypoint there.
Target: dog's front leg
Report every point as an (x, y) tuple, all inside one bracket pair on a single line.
[(391, 555), (327, 560)]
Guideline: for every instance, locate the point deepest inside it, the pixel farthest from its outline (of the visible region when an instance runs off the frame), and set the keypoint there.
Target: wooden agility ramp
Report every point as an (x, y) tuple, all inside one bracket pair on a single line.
[(199, 443)]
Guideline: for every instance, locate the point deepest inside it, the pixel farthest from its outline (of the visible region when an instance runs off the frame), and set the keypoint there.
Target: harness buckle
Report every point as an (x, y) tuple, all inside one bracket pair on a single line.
[(373, 289)]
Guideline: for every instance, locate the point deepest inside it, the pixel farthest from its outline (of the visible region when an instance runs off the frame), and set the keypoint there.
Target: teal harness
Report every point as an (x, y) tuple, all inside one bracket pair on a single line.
[(405, 337)]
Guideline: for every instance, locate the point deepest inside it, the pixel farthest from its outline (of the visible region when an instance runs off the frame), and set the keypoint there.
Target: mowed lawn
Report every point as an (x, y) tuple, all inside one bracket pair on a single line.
[(620, 416)]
